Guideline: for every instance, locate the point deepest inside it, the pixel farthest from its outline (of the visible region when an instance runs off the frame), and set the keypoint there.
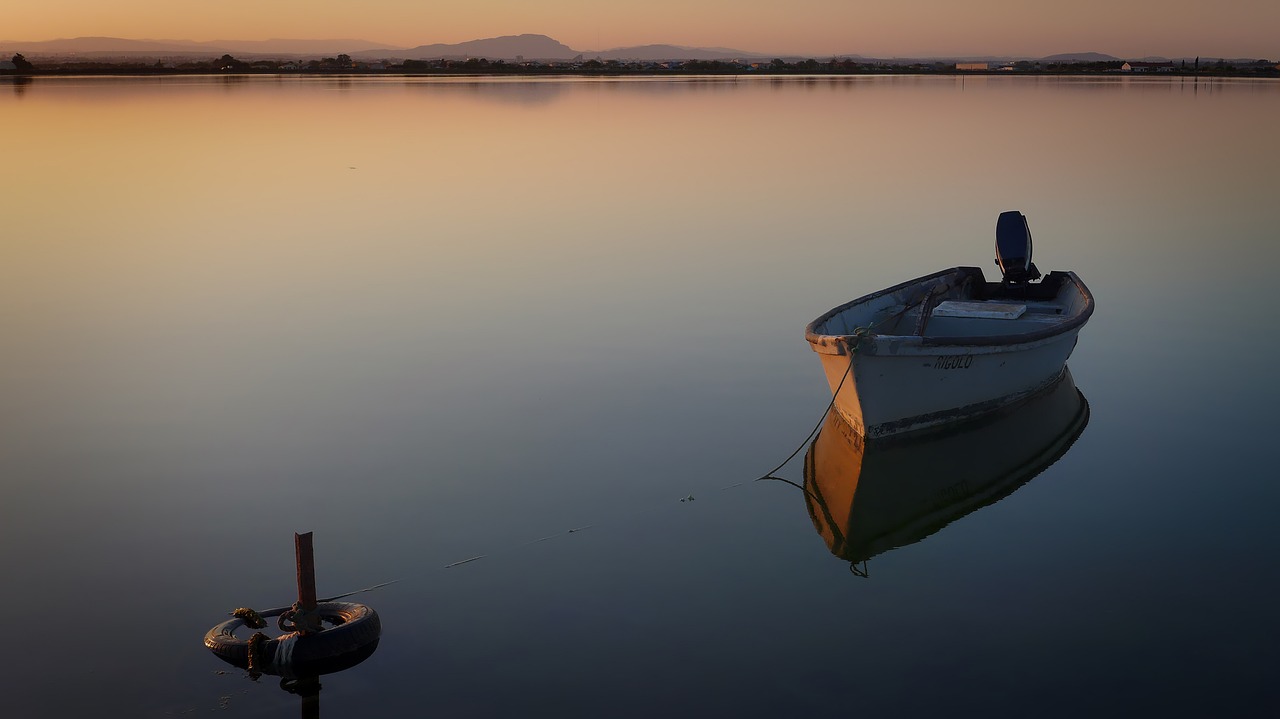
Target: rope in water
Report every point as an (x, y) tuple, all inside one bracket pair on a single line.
[(858, 334), (847, 371), (856, 338)]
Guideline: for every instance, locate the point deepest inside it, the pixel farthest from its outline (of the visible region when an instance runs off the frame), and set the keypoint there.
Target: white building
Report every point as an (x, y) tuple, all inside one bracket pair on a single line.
[(1147, 67)]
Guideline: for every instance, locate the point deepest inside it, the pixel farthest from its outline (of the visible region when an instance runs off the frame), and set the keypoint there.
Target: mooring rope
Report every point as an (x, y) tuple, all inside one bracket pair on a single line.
[(847, 371), (855, 340), (358, 591), (256, 644), (252, 619), (858, 334)]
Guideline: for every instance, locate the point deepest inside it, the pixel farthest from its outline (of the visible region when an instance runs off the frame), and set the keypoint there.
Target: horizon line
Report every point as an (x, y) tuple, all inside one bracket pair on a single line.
[(376, 45)]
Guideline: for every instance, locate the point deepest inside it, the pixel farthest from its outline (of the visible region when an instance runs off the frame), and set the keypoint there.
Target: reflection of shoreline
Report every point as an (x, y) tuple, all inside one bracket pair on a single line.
[(533, 90), (19, 82), (867, 500), (685, 69)]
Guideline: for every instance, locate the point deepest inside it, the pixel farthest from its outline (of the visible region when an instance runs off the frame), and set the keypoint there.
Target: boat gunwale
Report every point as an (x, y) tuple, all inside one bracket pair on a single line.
[(1074, 322)]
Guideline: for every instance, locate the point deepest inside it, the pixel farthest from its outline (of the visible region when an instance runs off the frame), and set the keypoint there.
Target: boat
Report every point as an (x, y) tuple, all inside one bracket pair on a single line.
[(951, 346), (867, 498)]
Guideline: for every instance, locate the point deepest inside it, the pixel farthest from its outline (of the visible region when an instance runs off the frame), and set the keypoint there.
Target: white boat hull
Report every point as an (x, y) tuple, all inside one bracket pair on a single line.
[(921, 387), (895, 368)]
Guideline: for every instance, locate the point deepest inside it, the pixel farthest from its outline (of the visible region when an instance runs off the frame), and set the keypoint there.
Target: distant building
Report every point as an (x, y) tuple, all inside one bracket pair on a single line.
[(1147, 67), (972, 66)]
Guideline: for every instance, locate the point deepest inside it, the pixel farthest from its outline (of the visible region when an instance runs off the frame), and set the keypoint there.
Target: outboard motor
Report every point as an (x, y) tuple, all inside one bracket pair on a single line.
[(1013, 249)]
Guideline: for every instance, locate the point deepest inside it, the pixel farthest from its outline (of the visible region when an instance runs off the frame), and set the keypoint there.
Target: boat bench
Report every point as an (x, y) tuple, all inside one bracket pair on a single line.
[(960, 318), (980, 310)]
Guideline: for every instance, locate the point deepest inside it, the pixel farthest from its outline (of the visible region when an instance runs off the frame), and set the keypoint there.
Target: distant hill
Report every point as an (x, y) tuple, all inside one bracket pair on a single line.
[(656, 53), (1080, 57), (507, 47), (304, 47), (98, 45), (103, 46)]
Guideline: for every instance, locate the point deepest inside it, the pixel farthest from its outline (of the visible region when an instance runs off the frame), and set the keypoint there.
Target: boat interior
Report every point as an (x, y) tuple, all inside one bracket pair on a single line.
[(979, 308), (961, 302)]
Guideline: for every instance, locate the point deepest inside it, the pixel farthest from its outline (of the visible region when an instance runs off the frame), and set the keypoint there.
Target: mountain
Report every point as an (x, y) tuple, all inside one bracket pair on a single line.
[(100, 46), (1080, 57), (672, 52), (303, 47), (507, 47)]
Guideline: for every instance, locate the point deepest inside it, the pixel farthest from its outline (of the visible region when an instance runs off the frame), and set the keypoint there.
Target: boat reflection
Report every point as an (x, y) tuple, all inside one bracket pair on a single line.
[(868, 498)]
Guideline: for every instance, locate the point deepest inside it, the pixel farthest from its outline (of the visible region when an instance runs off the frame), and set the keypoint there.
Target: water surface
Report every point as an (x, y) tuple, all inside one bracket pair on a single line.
[(431, 320)]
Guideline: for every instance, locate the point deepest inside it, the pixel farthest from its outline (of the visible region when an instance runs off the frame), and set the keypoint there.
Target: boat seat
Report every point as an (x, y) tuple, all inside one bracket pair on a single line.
[(980, 310)]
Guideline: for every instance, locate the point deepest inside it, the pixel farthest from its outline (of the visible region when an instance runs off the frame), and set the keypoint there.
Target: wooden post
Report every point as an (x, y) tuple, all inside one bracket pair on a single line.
[(311, 698), (306, 571), (308, 687)]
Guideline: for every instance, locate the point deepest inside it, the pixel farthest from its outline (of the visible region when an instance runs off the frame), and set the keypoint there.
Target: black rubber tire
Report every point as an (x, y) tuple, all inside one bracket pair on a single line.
[(355, 634)]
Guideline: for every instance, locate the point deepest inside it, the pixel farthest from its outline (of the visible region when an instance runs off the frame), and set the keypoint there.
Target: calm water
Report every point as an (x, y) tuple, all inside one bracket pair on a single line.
[(435, 320)]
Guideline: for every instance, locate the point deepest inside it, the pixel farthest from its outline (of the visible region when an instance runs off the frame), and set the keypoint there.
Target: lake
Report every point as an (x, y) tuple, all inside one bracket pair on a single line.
[(438, 319)]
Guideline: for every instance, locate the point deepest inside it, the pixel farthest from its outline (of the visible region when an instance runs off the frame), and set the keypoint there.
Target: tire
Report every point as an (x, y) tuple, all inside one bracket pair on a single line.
[(355, 636)]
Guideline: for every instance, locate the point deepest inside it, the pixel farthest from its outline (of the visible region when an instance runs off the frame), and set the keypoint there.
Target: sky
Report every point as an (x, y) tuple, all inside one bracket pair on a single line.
[(880, 28)]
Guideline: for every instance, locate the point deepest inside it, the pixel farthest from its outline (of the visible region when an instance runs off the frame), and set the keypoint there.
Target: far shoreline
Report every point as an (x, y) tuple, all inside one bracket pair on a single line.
[(578, 73), (345, 66)]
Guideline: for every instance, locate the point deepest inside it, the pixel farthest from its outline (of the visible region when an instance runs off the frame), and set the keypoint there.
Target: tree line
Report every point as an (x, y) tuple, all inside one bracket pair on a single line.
[(842, 66)]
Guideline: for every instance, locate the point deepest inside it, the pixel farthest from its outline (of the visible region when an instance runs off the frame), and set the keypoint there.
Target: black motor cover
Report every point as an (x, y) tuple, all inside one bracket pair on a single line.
[(1013, 248)]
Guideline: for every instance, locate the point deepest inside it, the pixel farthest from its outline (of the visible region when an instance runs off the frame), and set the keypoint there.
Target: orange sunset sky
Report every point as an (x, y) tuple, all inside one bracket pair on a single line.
[(1125, 28)]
